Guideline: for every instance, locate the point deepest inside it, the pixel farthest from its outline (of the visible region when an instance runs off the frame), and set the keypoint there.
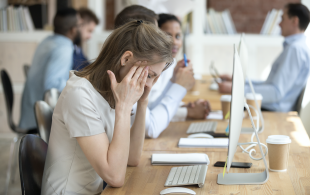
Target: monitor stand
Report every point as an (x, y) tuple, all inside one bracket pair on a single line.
[(246, 178), (248, 130)]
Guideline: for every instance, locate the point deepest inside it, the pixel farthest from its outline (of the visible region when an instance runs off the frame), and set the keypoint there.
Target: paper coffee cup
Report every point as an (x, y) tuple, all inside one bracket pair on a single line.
[(278, 152), (251, 101), (225, 100)]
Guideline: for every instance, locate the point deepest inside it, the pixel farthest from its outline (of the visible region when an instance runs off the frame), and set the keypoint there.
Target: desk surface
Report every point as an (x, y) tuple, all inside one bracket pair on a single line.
[(148, 179)]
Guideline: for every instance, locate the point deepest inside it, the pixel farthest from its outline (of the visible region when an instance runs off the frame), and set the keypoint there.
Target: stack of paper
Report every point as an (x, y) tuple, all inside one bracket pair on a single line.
[(180, 159), (203, 143), (271, 24), (218, 115), (15, 19), (219, 22)]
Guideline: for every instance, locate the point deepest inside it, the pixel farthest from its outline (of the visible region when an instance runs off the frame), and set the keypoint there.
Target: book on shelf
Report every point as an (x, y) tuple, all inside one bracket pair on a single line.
[(219, 22), (15, 19), (271, 23)]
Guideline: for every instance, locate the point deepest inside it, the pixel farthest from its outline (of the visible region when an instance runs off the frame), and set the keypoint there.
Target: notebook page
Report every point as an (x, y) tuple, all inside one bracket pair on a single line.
[(204, 142), (180, 158)]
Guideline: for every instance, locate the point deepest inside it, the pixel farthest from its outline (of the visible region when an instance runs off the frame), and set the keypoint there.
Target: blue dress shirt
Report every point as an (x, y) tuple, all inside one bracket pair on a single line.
[(287, 78), (79, 59), (50, 68)]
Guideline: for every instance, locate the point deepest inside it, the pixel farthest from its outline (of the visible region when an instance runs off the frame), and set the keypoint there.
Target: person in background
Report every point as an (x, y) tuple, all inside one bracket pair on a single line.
[(91, 139), (89, 21), (51, 64), (197, 110), (290, 71), (166, 94)]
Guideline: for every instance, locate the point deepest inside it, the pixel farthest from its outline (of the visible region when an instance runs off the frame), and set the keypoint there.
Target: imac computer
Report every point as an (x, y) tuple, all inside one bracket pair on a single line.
[(236, 116), (244, 60)]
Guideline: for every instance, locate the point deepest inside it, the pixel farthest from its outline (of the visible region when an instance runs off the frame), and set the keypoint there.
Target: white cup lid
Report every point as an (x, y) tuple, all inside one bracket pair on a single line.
[(278, 139), (250, 96), (226, 98)]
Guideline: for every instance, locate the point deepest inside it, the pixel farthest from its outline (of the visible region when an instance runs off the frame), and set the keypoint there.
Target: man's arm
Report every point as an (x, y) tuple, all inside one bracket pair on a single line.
[(59, 65), (281, 80)]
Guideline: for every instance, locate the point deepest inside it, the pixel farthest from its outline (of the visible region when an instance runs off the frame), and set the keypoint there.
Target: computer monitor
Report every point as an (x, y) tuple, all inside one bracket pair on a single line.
[(235, 123), (236, 108)]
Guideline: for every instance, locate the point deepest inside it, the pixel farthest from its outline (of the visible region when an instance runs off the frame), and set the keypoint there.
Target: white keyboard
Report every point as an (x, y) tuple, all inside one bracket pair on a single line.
[(188, 175), (202, 127)]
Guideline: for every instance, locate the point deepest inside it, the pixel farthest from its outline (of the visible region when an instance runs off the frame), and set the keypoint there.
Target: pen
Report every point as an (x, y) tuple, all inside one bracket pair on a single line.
[(185, 60)]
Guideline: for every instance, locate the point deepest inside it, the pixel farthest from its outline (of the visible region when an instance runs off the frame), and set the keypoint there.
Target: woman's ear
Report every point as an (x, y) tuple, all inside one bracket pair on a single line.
[(126, 57)]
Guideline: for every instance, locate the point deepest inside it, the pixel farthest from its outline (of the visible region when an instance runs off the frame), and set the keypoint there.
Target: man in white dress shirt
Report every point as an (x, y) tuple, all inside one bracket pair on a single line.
[(172, 85)]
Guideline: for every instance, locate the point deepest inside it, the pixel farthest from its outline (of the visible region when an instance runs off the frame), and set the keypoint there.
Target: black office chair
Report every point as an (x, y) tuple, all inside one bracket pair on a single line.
[(299, 101), (26, 68), (32, 154), (9, 100)]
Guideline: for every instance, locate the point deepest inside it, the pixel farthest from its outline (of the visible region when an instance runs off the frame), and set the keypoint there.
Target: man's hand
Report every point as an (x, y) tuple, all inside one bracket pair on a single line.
[(200, 109), (226, 77), (225, 87)]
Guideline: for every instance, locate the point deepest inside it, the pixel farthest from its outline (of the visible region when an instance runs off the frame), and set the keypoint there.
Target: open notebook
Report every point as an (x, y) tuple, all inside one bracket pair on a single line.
[(203, 143), (180, 159)]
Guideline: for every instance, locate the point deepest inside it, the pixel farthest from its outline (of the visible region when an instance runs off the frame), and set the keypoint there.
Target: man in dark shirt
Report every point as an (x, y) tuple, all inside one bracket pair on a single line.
[(89, 22)]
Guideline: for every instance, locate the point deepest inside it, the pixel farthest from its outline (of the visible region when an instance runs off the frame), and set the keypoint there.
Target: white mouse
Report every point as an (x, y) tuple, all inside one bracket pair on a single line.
[(177, 190), (214, 86), (200, 135)]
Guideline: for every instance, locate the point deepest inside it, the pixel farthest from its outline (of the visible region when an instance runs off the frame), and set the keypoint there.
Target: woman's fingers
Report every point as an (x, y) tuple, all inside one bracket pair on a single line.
[(144, 77), (131, 73), (138, 73), (112, 79)]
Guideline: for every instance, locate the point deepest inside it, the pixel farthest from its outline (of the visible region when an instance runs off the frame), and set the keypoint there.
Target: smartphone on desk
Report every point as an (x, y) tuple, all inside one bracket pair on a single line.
[(234, 164), (217, 134)]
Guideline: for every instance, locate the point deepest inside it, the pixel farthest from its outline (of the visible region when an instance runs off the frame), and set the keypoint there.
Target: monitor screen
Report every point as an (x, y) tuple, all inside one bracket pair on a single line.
[(236, 108)]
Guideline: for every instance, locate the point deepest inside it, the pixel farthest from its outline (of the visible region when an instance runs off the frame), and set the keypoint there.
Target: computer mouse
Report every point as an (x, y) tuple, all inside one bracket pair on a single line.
[(214, 86), (177, 190), (200, 135)]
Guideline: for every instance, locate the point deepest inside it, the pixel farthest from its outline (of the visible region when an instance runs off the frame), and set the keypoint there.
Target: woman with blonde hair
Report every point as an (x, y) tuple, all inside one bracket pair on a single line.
[(91, 139)]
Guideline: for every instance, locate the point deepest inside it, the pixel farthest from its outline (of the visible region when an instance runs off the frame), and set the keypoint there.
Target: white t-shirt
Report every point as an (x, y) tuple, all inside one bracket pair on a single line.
[(80, 111)]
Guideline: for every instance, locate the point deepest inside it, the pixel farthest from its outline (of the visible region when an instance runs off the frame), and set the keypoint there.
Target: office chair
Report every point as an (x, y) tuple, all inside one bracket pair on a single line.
[(51, 97), (26, 68), (299, 101), (43, 113), (32, 154), (9, 100)]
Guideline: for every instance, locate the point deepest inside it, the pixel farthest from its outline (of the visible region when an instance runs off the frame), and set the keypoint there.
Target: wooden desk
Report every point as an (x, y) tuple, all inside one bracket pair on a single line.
[(148, 179), (201, 90)]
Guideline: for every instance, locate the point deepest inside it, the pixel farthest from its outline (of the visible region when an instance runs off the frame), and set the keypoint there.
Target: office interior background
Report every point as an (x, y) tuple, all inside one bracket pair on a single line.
[(203, 45)]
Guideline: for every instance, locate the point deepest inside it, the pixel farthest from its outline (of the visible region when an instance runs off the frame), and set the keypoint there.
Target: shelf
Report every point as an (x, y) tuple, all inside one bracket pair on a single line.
[(24, 36)]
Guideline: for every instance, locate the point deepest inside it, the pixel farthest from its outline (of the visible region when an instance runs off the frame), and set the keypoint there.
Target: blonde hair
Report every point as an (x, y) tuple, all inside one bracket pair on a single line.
[(143, 39)]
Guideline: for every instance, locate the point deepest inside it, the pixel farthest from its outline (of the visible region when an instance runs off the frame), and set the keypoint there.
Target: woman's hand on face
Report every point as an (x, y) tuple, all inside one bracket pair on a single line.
[(131, 88)]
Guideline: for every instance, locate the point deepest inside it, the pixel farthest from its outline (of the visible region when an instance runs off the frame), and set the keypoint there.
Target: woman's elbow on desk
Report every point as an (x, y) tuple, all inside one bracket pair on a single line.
[(133, 163), (115, 181)]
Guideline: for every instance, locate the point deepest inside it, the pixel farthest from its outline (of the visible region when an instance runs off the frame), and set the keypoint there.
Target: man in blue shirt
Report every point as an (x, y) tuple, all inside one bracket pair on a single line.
[(88, 23), (290, 71), (51, 64)]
